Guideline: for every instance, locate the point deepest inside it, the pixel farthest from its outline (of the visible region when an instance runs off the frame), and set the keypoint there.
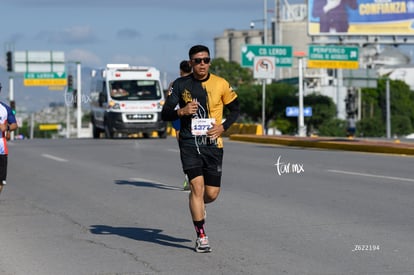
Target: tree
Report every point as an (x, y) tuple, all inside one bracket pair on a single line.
[(278, 97), (401, 125), (402, 107), (332, 128), (282, 95), (371, 127), (374, 109), (323, 110), (232, 72)]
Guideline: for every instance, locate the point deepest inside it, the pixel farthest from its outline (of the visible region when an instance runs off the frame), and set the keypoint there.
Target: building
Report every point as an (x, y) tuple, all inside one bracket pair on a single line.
[(291, 29)]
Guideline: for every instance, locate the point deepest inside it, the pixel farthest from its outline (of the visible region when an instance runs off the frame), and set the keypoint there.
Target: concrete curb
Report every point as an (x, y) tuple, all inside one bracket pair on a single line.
[(360, 145)]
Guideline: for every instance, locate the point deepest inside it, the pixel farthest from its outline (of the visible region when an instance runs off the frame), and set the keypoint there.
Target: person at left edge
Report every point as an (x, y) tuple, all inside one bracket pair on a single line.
[(7, 124)]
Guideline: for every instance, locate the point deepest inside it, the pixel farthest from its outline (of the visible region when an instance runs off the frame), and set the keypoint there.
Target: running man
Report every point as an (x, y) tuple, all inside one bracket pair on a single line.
[(185, 69), (7, 125), (202, 97)]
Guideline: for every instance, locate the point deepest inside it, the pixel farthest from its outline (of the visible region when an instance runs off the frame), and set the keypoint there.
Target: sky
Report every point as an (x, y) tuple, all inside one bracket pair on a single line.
[(155, 33)]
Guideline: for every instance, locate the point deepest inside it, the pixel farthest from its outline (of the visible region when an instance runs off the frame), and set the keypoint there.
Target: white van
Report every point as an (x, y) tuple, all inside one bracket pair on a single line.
[(125, 100)]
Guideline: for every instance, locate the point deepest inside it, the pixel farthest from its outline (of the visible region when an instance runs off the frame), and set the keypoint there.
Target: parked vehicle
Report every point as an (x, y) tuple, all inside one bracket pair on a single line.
[(127, 99)]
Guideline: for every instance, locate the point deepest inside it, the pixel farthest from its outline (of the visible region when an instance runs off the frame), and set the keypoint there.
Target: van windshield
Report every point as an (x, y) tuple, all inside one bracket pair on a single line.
[(135, 89)]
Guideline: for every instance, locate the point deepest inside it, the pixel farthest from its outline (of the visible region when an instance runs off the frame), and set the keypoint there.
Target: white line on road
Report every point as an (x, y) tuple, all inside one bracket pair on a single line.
[(371, 175), (54, 158)]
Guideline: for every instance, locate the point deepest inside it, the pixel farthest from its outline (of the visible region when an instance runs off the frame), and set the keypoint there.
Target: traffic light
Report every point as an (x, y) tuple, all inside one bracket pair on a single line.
[(13, 106), (9, 57), (70, 83), (350, 104)]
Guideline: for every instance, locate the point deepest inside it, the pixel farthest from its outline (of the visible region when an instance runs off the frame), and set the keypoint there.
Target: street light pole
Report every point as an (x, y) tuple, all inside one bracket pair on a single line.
[(265, 22), (263, 80), (388, 108), (277, 33), (301, 119), (79, 100)]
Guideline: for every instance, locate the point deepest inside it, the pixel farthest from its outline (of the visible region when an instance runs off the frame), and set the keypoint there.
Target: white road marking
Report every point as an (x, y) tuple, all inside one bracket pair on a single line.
[(370, 175), (54, 158)]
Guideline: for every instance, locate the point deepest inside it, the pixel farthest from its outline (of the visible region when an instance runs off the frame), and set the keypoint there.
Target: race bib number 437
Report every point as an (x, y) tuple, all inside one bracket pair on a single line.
[(200, 126)]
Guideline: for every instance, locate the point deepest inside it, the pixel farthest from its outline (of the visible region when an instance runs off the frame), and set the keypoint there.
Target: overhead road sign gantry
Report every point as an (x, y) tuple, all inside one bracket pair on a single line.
[(361, 78), (39, 61), (333, 57), (283, 54)]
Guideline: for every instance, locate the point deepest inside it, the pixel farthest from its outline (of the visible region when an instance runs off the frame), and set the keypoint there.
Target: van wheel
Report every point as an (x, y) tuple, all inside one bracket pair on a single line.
[(108, 132), (162, 134)]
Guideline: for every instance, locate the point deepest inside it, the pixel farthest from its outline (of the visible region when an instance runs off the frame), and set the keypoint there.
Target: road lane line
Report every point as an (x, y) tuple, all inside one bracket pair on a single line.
[(54, 158), (370, 175)]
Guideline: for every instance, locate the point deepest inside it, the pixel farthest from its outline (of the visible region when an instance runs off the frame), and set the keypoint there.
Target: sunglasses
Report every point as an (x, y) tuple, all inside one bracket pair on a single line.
[(206, 60)]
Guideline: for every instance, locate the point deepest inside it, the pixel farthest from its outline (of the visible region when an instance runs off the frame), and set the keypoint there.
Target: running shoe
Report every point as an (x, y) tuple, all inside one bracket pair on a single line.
[(186, 184), (202, 245)]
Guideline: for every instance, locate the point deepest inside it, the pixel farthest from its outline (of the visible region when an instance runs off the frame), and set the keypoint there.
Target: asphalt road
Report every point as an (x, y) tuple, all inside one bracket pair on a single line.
[(116, 207)]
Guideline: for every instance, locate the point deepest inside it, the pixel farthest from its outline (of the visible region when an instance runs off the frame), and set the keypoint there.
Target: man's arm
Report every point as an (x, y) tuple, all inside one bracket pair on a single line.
[(234, 108), (217, 129), (169, 113), (11, 120), (10, 128)]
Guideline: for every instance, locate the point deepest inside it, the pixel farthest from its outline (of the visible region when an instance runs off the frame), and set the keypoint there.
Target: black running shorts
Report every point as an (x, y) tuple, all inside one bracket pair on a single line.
[(203, 161)]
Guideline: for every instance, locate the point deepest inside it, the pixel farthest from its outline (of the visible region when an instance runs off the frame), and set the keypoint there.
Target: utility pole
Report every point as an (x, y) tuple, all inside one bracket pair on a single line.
[(79, 99), (388, 108), (301, 119), (264, 80)]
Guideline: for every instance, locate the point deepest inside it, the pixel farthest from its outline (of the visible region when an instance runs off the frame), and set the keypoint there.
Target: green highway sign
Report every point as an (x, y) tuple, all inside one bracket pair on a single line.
[(283, 54), (333, 57), (45, 79), (47, 75)]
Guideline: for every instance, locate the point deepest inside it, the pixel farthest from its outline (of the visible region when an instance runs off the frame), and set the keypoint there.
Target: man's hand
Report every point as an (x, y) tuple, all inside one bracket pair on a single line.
[(189, 109), (215, 131)]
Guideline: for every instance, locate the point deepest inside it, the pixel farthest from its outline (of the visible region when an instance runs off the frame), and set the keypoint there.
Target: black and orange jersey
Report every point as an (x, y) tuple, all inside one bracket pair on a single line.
[(212, 95)]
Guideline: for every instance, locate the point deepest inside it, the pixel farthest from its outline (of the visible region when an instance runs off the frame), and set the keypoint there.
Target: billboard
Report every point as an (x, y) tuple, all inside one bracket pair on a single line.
[(361, 17)]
